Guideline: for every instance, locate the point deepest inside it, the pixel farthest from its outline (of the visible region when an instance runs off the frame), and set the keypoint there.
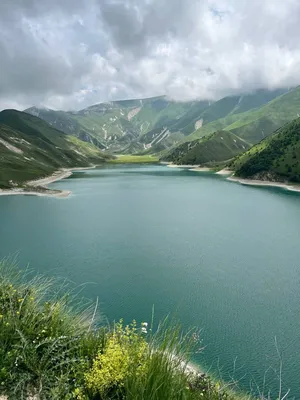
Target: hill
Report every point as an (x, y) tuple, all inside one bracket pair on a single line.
[(255, 124), (31, 148), (251, 126), (214, 148), (150, 125), (116, 125), (276, 158)]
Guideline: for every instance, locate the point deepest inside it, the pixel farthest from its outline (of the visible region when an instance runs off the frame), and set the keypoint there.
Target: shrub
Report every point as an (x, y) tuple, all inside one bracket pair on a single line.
[(124, 355)]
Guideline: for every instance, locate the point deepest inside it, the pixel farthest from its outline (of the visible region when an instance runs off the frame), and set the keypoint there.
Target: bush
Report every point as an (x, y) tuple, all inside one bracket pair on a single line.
[(124, 356)]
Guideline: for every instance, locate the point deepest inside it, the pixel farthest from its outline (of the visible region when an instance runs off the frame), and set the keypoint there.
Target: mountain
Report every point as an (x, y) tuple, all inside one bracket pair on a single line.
[(150, 125), (276, 158), (214, 148), (119, 124), (31, 148), (251, 126), (255, 124)]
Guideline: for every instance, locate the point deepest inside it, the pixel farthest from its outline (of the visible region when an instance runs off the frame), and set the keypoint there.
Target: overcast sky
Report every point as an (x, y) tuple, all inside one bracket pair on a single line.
[(68, 54)]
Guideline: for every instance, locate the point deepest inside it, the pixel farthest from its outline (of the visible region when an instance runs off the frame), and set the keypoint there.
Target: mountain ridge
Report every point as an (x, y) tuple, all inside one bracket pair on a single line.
[(150, 125)]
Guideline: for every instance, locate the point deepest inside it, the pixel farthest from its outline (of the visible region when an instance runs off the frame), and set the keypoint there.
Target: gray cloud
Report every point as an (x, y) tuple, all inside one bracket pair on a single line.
[(72, 53)]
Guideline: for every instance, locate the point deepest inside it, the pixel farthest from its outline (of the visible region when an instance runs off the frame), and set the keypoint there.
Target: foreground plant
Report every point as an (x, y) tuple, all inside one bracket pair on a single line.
[(51, 348)]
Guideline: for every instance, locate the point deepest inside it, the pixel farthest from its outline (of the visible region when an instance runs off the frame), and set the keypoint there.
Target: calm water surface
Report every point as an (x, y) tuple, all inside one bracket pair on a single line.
[(218, 255)]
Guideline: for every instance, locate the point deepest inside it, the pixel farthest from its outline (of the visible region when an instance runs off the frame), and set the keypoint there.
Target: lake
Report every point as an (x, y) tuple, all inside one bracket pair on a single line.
[(215, 254)]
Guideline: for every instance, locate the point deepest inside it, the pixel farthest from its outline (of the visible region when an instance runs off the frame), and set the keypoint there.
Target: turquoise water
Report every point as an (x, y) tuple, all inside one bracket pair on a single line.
[(218, 255)]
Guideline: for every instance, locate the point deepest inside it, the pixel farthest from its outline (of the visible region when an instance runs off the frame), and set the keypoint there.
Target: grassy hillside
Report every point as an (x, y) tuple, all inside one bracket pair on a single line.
[(30, 148), (116, 125), (219, 146), (275, 158), (254, 125), (151, 125)]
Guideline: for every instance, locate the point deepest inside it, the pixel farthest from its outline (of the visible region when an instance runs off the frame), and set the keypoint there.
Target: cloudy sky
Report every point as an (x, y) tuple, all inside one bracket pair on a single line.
[(68, 54)]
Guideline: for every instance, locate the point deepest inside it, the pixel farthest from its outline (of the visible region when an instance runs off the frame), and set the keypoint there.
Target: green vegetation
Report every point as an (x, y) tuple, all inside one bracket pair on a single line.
[(251, 125), (214, 148), (52, 347), (128, 159), (256, 124), (274, 158), (30, 149), (152, 125)]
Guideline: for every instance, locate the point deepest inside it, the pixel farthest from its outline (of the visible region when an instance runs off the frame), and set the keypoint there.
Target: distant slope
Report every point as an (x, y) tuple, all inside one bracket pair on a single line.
[(116, 125), (276, 158), (151, 125), (217, 147), (30, 148), (256, 124)]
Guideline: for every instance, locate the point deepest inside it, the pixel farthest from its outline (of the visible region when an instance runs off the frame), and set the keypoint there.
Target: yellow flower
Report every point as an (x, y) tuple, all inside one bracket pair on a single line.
[(124, 355), (20, 300)]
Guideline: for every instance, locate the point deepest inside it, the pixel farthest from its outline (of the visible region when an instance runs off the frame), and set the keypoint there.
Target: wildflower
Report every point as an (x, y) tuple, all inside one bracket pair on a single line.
[(144, 330), (18, 312), (145, 324), (20, 300), (1, 316)]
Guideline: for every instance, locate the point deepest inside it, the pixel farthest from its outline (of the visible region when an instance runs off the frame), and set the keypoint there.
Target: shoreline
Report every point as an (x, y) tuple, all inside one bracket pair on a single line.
[(224, 172), (253, 182), (201, 169), (38, 187), (183, 166)]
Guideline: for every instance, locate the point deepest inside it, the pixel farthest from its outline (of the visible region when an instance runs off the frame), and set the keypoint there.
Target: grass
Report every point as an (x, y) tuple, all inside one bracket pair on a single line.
[(53, 347), (132, 159)]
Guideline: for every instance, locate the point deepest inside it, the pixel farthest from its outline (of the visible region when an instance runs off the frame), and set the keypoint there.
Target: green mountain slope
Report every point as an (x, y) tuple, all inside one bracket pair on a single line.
[(151, 125), (251, 126), (116, 125), (30, 148), (276, 158), (217, 147), (256, 124)]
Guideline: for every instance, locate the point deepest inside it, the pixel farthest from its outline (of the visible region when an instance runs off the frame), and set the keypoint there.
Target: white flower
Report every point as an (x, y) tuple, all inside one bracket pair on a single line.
[(145, 324), (144, 330)]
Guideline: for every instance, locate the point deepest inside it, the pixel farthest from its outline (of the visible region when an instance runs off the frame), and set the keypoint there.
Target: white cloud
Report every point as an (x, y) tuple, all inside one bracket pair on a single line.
[(70, 54)]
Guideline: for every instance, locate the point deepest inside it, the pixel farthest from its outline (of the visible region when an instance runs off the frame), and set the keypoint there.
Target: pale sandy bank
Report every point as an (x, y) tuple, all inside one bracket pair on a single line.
[(224, 171), (38, 187), (201, 169), (182, 166), (252, 182)]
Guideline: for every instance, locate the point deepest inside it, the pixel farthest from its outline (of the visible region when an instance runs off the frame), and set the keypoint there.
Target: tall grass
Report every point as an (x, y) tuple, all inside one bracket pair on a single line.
[(51, 347), (44, 335)]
